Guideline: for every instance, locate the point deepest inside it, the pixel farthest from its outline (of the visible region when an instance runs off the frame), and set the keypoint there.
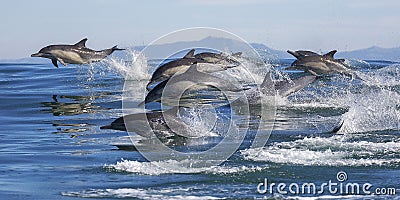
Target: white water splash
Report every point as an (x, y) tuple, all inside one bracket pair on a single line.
[(148, 193), (387, 76), (333, 151), (373, 111), (200, 120), (133, 67), (176, 167)]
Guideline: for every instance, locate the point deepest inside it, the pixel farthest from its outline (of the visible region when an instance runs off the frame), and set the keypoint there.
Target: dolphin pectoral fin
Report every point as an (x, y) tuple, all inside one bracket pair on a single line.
[(62, 61), (54, 61), (313, 73)]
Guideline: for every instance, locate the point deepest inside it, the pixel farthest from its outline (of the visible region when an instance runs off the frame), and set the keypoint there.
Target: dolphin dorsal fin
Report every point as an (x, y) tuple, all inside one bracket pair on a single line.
[(190, 54), (295, 54), (267, 86), (330, 54), (82, 43), (192, 68)]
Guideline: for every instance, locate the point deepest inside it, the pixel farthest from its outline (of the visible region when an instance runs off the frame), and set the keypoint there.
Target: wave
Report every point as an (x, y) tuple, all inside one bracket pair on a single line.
[(387, 76), (374, 111), (171, 193), (176, 167), (337, 150)]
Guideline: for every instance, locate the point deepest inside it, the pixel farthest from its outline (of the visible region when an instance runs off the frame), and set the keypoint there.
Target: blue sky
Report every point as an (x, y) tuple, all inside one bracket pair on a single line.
[(318, 25)]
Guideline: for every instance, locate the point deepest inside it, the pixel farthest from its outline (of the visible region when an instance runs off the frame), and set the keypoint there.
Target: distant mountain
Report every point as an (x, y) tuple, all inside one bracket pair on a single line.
[(217, 43), (269, 53), (373, 53)]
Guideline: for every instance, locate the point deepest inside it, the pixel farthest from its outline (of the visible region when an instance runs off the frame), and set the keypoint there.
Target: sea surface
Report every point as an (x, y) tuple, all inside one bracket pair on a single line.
[(52, 147)]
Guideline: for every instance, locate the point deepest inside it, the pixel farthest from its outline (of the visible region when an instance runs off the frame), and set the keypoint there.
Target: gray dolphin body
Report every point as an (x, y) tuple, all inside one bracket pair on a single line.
[(167, 70), (285, 88), (270, 88), (73, 54), (191, 80), (145, 124), (219, 58), (319, 64), (162, 124), (142, 124)]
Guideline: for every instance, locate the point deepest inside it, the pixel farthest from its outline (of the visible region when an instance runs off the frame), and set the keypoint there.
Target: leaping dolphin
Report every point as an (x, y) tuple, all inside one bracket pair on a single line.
[(144, 123), (219, 58), (191, 80), (285, 88), (73, 54), (319, 64), (162, 124), (167, 70)]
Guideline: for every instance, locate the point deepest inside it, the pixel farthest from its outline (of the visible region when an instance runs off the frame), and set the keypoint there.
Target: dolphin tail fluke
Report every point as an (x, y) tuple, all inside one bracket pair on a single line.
[(115, 48), (110, 51)]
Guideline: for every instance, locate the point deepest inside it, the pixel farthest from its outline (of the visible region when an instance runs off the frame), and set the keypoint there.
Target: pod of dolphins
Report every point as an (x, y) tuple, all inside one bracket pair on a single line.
[(191, 73)]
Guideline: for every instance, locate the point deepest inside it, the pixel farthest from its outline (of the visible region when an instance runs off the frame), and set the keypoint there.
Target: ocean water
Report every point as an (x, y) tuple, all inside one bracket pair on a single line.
[(52, 147)]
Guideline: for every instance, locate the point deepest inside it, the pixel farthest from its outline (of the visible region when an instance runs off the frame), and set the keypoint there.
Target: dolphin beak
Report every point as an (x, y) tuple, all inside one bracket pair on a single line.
[(36, 55)]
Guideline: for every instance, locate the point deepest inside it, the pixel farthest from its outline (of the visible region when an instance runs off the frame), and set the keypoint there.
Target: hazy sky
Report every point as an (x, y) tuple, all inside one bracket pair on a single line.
[(318, 25)]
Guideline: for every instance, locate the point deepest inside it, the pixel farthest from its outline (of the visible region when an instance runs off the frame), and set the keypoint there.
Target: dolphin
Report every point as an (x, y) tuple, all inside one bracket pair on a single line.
[(167, 70), (319, 64), (285, 88), (73, 54), (271, 88), (162, 124), (216, 58), (191, 80), (144, 123)]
